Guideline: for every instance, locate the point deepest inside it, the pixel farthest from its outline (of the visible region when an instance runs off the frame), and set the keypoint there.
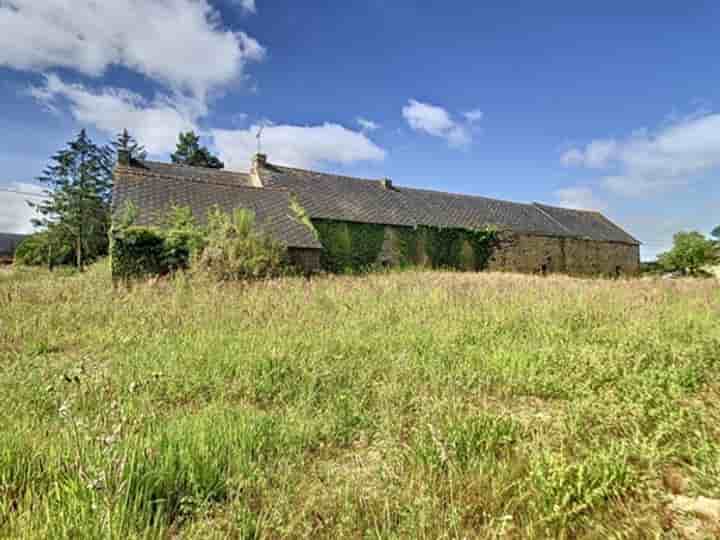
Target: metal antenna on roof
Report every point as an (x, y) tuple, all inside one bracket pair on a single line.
[(259, 138)]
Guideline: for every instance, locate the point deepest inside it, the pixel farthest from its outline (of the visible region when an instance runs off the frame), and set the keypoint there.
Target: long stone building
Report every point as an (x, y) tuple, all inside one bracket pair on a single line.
[(533, 237)]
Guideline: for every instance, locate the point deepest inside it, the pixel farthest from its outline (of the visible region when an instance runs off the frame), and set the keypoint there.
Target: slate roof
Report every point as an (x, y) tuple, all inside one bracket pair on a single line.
[(9, 242), (328, 196), (587, 224), (155, 187)]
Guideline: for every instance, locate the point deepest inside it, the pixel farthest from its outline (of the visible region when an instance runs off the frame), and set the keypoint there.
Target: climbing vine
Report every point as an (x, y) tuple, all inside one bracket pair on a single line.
[(349, 246), (357, 246), (447, 247)]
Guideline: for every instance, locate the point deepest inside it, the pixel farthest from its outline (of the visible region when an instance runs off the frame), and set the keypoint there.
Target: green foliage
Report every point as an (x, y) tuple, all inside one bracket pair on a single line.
[(46, 248), (302, 216), (448, 247), (356, 246), (236, 249), (349, 246), (690, 253), (125, 141), (189, 152), (79, 180), (137, 251), (140, 251)]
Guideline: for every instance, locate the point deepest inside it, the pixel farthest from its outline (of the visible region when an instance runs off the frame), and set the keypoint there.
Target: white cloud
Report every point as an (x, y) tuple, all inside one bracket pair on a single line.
[(180, 43), (298, 146), (580, 197), (16, 213), (367, 125), (645, 162), (435, 121), (474, 116), (248, 6), (154, 124)]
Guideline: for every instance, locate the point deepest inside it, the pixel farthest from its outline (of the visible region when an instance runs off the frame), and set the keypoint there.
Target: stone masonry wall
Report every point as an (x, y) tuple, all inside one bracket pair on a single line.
[(532, 253)]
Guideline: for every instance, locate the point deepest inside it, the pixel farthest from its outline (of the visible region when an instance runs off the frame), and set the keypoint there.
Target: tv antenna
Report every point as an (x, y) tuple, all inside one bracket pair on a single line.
[(259, 138)]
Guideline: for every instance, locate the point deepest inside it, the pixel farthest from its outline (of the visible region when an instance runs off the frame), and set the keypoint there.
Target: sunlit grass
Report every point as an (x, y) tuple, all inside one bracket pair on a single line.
[(410, 404)]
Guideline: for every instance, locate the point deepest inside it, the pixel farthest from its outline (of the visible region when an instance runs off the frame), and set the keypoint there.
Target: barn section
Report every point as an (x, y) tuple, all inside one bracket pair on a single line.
[(154, 188), (533, 237)]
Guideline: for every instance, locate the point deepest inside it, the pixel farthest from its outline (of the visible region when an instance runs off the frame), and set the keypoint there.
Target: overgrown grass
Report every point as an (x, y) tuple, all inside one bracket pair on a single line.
[(410, 404)]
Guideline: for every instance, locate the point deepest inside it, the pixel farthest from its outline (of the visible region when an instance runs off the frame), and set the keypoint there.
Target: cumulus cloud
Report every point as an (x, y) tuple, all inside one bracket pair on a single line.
[(436, 121), (16, 213), (646, 162), (248, 6), (155, 124), (474, 116), (367, 125), (180, 43), (298, 146), (580, 197)]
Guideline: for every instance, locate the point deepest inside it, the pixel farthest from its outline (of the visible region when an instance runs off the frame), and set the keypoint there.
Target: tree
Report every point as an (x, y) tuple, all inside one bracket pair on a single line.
[(691, 251), (77, 203), (125, 141), (189, 152), (716, 233)]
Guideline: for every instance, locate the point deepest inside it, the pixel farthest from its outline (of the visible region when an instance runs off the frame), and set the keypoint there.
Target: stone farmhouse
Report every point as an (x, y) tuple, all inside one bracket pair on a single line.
[(534, 237)]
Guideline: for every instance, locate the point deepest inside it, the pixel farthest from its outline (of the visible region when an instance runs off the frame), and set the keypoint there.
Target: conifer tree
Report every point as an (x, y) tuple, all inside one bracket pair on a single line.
[(189, 152), (77, 204), (125, 141)]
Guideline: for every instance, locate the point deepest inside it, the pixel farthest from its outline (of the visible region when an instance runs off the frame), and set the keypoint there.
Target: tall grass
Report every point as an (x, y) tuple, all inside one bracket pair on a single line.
[(408, 404)]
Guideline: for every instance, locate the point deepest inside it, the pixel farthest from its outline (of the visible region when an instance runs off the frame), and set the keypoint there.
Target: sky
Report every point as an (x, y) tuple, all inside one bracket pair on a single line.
[(611, 106)]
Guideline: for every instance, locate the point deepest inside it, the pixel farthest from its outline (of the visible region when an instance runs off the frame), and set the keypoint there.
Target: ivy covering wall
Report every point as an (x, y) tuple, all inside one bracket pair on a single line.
[(358, 246)]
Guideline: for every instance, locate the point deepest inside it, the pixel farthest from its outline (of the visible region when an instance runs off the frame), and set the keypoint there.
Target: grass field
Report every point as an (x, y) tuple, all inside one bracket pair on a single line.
[(402, 405)]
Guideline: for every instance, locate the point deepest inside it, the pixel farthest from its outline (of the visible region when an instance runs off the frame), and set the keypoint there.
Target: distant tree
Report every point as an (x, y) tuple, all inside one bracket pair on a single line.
[(125, 141), (691, 251), (716, 233), (189, 152), (77, 204)]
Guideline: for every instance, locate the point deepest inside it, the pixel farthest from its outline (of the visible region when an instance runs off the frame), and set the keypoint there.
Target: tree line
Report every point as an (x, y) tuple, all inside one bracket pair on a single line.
[(73, 219)]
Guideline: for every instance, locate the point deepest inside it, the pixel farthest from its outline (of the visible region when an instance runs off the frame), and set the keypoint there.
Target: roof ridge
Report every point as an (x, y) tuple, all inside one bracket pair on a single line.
[(214, 183), (191, 167), (343, 176)]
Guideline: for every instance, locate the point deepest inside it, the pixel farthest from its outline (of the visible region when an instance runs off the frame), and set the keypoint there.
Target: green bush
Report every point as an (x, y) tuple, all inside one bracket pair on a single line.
[(137, 251), (44, 248), (235, 249)]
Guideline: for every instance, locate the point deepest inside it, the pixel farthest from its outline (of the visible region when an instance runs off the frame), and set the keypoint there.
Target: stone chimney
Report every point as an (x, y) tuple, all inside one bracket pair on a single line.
[(386, 183), (123, 157), (259, 161)]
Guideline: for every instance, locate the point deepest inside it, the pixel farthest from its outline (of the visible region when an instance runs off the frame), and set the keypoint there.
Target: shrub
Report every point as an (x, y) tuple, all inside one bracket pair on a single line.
[(44, 248), (235, 249), (137, 251)]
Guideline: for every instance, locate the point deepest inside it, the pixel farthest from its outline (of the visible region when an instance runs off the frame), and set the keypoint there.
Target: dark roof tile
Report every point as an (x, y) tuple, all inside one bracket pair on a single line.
[(154, 194)]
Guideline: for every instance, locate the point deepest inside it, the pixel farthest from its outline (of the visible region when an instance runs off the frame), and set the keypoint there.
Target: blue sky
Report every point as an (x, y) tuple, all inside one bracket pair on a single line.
[(608, 107)]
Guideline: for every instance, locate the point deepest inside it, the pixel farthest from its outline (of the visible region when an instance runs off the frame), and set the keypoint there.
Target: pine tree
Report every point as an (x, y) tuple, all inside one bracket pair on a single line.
[(77, 204), (189, 152), (125, 141)]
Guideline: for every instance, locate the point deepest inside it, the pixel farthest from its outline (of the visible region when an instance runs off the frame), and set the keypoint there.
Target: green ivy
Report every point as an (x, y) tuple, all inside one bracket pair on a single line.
[(444, 247), (356, 246), (348, 246)]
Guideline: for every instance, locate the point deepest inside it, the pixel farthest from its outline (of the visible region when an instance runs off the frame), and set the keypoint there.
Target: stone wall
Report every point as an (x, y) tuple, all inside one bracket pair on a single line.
[(532, 253), (306, 259)]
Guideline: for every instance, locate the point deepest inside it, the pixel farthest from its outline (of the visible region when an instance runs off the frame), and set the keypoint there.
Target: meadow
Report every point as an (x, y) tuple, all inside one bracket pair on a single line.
[(411, 404)]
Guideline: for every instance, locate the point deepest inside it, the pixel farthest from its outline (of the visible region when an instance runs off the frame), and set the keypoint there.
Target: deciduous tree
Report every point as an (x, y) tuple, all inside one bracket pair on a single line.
[(691, 251)]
